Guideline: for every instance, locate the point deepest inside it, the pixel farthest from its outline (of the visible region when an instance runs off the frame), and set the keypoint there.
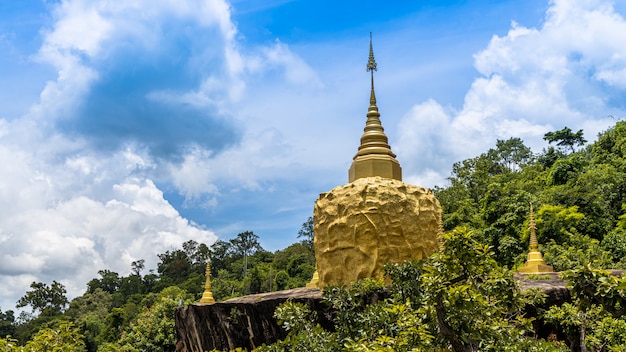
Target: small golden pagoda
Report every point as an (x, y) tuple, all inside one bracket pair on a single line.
[(374, 156), (535, 262), (207, 296), (315, 281)]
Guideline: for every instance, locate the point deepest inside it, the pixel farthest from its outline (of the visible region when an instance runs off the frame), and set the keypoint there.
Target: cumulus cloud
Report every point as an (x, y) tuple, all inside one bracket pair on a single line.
[(569, 72), (67, 222), (146, 97), (114, 60)]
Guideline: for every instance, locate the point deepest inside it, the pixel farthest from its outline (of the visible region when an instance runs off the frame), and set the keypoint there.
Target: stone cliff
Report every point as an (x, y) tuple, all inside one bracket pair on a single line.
[(248, 321)]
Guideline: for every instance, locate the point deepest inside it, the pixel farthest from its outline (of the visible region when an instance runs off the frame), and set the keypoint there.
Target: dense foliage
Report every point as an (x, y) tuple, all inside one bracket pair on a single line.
[(579, 197), (459, 299), (462, 298), (135, 313)]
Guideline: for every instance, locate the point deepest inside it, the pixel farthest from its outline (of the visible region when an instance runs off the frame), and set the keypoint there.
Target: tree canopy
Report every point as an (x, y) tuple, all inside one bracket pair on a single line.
[(566, 138), (462, 298)]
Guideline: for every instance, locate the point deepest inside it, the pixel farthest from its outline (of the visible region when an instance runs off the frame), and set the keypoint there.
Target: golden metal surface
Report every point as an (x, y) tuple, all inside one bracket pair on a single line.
[(361, 226), (375, 218), (315, 281), (534, 262), (374, 156), (207, 296)]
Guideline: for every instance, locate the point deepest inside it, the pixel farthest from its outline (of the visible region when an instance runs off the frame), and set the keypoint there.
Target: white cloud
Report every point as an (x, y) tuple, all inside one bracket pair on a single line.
[(71, 241), (86, 35), (66, 220), (532, 81), (295, 69), (68, 210)]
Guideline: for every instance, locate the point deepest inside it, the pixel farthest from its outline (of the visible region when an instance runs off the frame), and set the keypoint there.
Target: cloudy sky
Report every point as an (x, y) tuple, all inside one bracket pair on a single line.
[(129, 127)]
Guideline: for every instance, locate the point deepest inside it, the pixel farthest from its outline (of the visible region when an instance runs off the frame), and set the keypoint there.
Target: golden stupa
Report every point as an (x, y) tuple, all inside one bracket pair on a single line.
[(535, 262), (207, 296), (375, 218), (374, 156)]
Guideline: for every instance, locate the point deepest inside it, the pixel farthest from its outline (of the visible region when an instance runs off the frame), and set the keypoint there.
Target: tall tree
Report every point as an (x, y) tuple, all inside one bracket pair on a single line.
[(307, 233), (513, 152), (220, 253), (7, 321), (174, 266), (47, 299), (109, 282), (565, 138), (246, 244), (137, 267)]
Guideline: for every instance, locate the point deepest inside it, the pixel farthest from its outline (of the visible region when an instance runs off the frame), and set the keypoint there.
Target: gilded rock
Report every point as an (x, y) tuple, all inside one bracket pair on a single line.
[(362, 225)]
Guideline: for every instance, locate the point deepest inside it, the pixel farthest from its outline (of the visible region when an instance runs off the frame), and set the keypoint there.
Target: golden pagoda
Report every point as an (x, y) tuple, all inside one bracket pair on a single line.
[(374, 156), (315, 281), (207, 296), (535, 262), (375, 218)]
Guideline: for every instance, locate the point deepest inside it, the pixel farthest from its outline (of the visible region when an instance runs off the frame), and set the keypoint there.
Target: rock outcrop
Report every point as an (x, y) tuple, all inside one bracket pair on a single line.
[(362, 225), (246, 322)]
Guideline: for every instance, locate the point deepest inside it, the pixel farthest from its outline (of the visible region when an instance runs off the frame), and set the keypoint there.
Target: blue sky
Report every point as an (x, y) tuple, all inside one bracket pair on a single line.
[(127, 128)]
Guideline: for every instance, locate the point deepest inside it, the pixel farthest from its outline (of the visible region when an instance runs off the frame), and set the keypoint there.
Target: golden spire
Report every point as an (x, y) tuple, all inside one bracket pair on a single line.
[(374, 156), (371, 67), (534, 244), (535, 262), (207, 296)]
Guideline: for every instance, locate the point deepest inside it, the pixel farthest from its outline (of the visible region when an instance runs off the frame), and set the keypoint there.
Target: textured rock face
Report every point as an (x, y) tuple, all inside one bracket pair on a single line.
[(362, 225), (246, 322)]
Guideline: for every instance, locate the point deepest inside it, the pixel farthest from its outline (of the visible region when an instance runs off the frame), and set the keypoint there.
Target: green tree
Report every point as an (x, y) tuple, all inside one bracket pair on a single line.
[(8, 344), (512, 152), (549, 156), (154, 328), (7, 323), (556, 222), (198, 254), (610, 147), (615, 241), (66, 337), (174, 267), (221, 253), (595, 319), (137, 267), (458, 299), (307, 233), (88, 312), (46, 299), (577, 251), (565, 138), (246, 244), (109, 281), (113, 325)]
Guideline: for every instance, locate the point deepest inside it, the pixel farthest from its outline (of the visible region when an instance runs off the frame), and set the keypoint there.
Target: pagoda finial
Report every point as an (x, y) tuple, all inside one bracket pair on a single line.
[(534, 244), (534, 262), (207, 296), (374, 157), (371, 67)]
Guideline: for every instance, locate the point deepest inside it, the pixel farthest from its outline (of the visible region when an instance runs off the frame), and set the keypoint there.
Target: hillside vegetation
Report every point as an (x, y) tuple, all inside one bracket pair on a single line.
[(462, 298)]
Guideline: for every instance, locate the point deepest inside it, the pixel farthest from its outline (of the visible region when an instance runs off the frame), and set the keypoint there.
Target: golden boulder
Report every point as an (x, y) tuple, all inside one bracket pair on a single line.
[(362, 225)]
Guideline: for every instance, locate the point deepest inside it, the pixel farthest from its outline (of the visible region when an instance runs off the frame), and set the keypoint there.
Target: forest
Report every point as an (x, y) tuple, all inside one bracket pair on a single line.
[(462, 298)]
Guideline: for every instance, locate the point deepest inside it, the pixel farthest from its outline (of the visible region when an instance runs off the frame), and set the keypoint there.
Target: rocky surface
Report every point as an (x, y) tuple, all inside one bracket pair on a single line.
[(248, 321), (555, 289), (362, 225)]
